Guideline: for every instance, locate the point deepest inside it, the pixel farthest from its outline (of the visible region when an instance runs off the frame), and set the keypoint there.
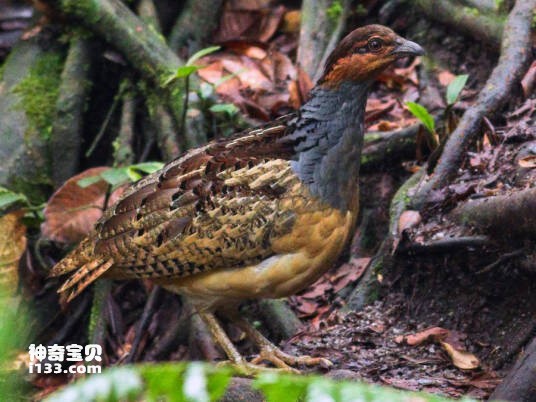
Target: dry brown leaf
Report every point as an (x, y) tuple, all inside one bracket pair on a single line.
[(423, 336), (12, 246), (72, 211), (461, 358), (445, 77), (408, 219), (248, 20), (527, 161), (291, 21)]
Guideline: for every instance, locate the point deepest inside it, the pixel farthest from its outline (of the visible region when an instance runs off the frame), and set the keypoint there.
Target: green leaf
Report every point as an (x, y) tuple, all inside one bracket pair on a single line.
[(8, 198), (185, 71), (88, 181), (115, 176), (227, 108), (133, 174), (122, 383), (203, 52), (281, 388), (148, 167), (164, 382), (455, 88), (423, 115)]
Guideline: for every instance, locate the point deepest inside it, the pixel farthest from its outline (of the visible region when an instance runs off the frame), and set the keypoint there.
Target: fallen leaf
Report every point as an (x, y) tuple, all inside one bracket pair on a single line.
[(72, 210), (408, 219), (253, 21), (445, 77), (426, 335), (12, 246), (461, 358), (527, 161)]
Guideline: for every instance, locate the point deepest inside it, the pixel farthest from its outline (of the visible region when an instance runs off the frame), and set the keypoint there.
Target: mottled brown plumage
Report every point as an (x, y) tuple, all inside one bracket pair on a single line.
[(261, 214)]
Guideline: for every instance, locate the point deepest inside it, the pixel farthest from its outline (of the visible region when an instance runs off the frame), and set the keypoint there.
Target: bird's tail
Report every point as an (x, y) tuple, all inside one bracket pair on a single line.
[(87, 268)]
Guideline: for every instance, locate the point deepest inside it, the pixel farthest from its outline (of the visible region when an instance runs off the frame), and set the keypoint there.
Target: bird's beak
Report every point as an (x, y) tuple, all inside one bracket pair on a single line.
[(407, 48)]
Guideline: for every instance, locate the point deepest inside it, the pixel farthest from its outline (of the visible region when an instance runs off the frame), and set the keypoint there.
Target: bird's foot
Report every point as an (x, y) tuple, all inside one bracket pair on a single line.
[(284, 361), (250, 369)]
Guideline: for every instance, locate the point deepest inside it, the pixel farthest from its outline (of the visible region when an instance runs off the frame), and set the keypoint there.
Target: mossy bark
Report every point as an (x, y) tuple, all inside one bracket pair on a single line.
[(28, 94)]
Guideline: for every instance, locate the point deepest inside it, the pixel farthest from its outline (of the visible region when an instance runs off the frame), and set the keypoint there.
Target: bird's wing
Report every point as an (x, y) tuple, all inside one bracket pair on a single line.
[(217, 206)]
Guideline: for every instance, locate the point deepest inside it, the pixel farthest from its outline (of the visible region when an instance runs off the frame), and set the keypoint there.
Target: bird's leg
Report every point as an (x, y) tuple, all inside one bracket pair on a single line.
[(269, 352), (220, 337)]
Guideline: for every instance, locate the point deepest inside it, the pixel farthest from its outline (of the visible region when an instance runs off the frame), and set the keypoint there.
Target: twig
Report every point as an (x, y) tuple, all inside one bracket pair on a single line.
[(446, 245), (105, 123), (513, 62), (501, 260), (148, 312)]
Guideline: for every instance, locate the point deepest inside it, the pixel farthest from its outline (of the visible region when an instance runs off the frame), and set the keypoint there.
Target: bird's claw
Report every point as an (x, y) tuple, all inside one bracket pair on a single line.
[(284, 361)]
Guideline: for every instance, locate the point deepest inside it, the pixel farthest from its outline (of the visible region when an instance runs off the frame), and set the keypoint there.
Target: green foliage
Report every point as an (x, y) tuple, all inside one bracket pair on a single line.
[(39, 91), (202, 53), (189, 68), (117, 384), (13, 337), (120, 175), (227, 108), (8, 198), (200, 382), (335, 10), (421, 113), (455, 88)]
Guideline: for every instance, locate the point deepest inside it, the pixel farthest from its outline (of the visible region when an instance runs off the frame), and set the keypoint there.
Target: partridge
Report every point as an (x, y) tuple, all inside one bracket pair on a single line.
[(262, 214)]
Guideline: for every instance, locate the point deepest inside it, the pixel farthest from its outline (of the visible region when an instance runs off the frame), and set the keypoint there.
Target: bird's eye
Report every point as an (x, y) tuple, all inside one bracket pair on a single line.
[(375, 44)]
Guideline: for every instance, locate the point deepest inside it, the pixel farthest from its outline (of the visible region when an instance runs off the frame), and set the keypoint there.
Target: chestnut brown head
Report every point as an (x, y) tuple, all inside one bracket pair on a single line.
[(364, 53)]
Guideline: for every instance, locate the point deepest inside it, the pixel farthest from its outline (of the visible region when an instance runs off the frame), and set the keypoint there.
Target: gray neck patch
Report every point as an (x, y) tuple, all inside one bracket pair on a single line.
[(329, 133)]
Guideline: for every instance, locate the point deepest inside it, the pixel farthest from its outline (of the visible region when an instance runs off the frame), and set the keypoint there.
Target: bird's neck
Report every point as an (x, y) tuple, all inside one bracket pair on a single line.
[(329, 133)]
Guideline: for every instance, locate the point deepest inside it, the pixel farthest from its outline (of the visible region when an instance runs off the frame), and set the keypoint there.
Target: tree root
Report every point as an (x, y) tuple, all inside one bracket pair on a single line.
[(196, 22), (319, 33), (144, 49), (512, 213), (66, 135), (388, 147), (520, 383), (513, 62), (367, 288), (279, 318), (468, 20)]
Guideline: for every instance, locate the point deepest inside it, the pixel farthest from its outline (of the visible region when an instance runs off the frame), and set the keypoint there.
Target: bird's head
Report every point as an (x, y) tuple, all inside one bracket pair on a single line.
[(364, 53)]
